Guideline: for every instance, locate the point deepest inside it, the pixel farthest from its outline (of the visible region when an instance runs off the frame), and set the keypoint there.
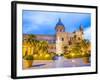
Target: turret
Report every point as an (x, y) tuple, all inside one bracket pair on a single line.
[(81, 28)]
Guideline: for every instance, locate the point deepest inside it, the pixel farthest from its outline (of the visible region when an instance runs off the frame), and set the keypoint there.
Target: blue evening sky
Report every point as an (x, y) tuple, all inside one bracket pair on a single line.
[(42, 22)]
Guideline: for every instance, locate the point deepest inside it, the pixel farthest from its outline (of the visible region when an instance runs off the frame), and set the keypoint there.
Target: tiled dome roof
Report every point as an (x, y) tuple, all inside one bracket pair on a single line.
[(59, 24)]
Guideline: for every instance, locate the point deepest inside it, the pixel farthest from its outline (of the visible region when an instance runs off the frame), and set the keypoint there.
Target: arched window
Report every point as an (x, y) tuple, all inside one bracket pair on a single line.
[(79, 38), (62, 39), (60, 30), (69, 42)]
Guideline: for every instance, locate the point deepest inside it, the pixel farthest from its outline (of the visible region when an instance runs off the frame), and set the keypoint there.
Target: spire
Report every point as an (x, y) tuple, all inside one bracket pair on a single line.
[(59, 23), (81, 27)]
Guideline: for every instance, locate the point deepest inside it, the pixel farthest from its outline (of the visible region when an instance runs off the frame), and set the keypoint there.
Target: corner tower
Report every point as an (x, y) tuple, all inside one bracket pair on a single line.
[(79, 34)]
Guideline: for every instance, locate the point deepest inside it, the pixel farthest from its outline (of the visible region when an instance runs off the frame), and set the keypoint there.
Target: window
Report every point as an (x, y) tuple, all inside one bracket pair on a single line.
[(69, 42), (60, 30), (70, 38), (62, 39), (78, 38), (82, 32), (57, 30), (74, 36)]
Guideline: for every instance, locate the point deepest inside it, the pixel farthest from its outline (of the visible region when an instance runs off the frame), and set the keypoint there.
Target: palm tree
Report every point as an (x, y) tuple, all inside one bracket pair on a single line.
[(85, 46), (31, 41), (75, 50), (42, 47), (31, 38), (76, 47)]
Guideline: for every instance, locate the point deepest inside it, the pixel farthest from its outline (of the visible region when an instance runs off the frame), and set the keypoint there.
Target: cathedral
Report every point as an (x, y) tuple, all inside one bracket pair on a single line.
[(67, 38)]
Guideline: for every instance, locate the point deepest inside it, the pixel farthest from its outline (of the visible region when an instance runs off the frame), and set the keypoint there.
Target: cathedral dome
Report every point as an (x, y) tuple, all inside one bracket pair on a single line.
[(59, 26)]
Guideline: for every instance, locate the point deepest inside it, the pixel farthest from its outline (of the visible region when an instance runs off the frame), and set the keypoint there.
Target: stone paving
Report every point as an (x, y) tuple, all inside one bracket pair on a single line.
[(61, 62)]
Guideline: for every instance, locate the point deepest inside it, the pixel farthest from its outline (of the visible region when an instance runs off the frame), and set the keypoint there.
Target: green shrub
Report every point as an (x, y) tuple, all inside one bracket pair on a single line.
[(67, 56), (28, 57), (76, 55), (86, 55)]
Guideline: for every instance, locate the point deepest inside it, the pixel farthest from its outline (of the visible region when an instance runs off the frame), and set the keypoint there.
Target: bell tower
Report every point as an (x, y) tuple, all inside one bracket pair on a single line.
[(60, 32)]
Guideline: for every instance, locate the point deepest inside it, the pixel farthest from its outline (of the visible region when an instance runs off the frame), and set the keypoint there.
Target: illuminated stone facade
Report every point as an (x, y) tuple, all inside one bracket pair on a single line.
[(67, 38)]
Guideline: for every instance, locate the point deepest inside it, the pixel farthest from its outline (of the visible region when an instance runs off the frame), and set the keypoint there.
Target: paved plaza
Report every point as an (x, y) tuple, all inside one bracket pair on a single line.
[(61, 62)]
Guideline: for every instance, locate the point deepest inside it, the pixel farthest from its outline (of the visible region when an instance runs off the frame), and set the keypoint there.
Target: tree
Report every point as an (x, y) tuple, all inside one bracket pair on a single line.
[(31, 42), (85, 46), (65, 49), (76, 50)]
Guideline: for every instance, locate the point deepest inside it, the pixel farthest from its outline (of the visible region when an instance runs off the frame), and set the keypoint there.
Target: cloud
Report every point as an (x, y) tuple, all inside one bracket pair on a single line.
[(40, 18), (43, 22), (30, 29), (87, 33)]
